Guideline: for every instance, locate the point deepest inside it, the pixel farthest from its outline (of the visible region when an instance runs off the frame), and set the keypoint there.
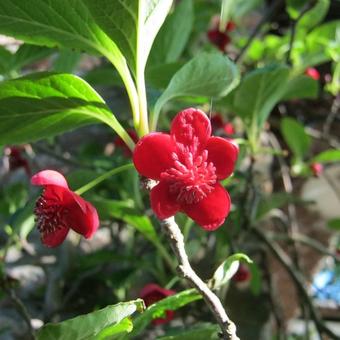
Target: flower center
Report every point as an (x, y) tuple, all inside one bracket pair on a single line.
[(192, 177), (50, 214)]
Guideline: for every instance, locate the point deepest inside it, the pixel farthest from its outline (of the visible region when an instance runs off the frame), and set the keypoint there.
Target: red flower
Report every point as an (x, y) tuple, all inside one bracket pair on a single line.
[(16, 159), (242, 275), (229, 128), (152, 293), (119, 143), (188, 163), (317, 169), (218, 38), (313, 73), (58, 209)]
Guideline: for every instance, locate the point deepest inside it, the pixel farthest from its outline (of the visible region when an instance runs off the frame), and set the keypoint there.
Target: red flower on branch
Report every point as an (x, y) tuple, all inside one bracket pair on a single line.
[(243, 274), (152, 293), (188, 163), (218, 38), (59, 209), (312, 73)]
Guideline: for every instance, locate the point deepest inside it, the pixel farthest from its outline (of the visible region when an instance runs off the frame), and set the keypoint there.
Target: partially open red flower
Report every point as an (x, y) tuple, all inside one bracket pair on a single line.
[(188, 163), (317, 169), (59, 209), (243, 274), (16, 160), (313, 73), (218, 38), (152, 293)]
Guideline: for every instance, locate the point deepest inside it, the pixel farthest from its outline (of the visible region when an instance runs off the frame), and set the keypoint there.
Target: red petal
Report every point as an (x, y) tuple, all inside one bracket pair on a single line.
[(82, 217), (223, 154), (210, 212), (189, 124), (153, 154), (49, 177), (163, 203), (56, 238)]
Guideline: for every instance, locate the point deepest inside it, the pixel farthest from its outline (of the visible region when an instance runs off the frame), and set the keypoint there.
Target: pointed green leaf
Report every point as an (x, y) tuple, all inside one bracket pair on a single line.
[(88, 326), (173, 36), (45, 104), (259, 92), (207, 74), (227, 270), (328, 156), (60, 23), (296, 137)]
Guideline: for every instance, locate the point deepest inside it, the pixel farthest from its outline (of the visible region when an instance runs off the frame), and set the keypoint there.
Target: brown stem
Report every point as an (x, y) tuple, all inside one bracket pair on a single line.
[(176, 240)]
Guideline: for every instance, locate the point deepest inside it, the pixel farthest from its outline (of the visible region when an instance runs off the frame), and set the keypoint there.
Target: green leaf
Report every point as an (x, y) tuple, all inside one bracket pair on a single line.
[(44, 105), (5, 56), (314, 16), (199, 331), (158, 309), (296, 137), (66, 61), (23, 220), (27, 54), (131, 24), (328, 156), (125, 326), (258, 93), (227, 270), (334, 224), (294, 7), (274, 201), (159, 76), (301, 87), (60, 23), (90, 325), (173, 36), (236, 9), (207, 74)]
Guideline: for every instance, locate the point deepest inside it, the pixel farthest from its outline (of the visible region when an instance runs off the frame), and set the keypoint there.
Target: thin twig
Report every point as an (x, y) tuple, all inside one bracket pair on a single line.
[(176, 240), (293, 29), (298, 279), (330, 118), (21, 309), (268, 14)]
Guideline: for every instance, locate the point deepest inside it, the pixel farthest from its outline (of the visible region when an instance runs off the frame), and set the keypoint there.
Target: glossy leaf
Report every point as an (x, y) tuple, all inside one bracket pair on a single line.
[(157, 309), (173, 36), (207, 74), (5, 56), (328, 156), (314, 16), (228, 269), (66, 61), (125, 326), (296, 137), (45, 104), (258, 93), (59, 23), (90, 325)]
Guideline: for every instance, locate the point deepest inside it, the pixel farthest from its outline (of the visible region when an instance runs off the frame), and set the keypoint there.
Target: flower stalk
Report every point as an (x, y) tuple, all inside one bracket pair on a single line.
[(176, 240)]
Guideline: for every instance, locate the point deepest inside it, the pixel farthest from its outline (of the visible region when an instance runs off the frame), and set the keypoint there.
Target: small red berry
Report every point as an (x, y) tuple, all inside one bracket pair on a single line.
[(313, 73), (317, 169)]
